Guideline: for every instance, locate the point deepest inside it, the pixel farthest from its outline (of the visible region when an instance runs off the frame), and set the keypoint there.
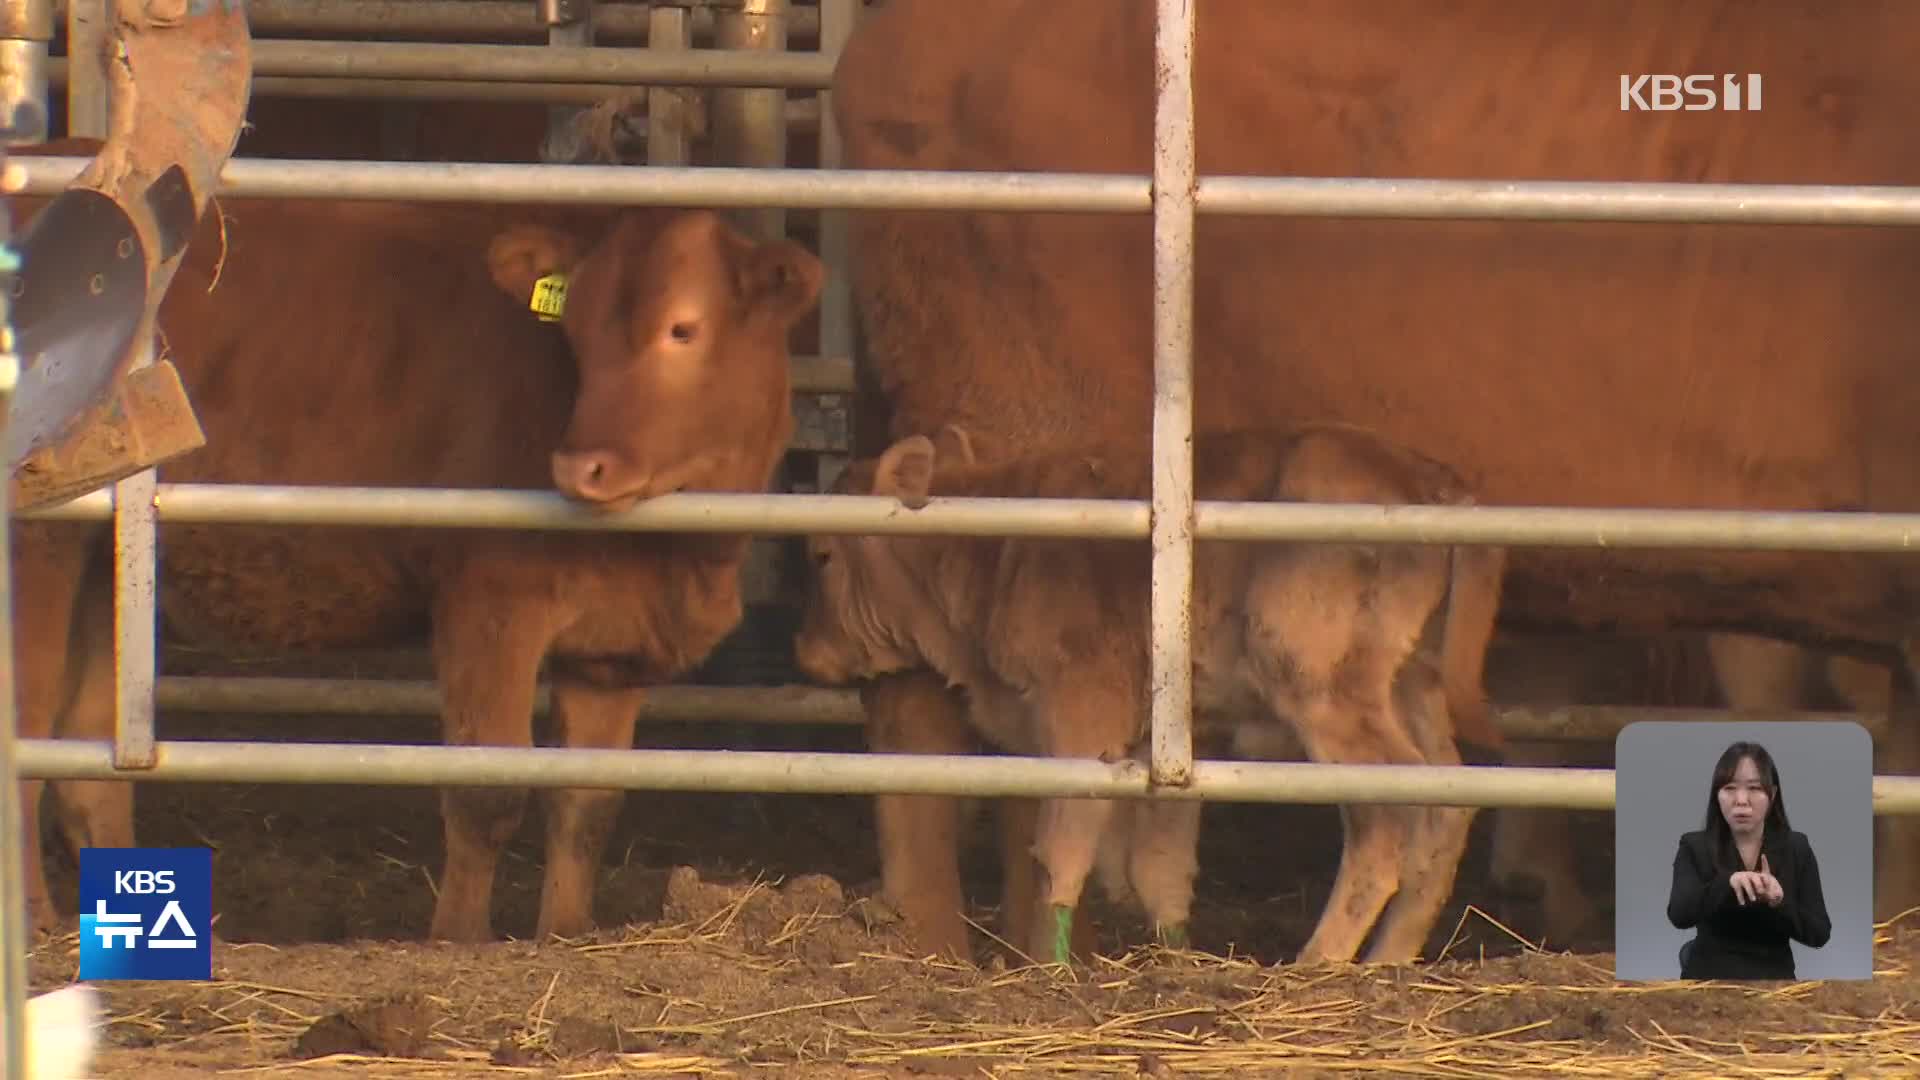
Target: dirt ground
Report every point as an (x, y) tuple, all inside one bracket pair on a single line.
[(742, 937)]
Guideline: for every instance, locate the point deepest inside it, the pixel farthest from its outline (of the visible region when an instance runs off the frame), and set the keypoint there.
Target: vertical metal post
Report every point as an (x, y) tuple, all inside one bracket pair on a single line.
[(1173, 190), (134, 621), (668, 27), (837, 19), (569, 22), (750, 125), (133, 518), (13, 900), (26, 28), (87, 24)]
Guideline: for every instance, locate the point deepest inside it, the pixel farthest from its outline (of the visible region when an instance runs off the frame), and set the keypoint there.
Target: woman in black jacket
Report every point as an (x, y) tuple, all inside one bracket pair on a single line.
[(1747, 880)]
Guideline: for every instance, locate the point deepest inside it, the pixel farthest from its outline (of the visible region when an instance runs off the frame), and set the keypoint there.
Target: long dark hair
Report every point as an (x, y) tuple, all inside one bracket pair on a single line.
[(1774, 824)]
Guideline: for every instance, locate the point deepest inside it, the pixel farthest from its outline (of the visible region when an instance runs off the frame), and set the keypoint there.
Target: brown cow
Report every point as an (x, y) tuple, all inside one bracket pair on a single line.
[(1050, 641), (391, 344), (1585, 364)]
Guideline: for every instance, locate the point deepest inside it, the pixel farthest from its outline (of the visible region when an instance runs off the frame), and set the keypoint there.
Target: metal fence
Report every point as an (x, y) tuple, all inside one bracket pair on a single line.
[(1172, 520), (569, 70)]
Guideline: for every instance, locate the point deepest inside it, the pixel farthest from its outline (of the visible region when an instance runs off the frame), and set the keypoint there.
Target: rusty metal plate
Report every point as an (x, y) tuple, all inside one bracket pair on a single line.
[(78, 297)]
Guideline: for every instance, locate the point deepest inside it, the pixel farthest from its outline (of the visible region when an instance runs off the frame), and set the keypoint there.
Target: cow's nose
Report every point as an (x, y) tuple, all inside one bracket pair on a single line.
[(586, 474)]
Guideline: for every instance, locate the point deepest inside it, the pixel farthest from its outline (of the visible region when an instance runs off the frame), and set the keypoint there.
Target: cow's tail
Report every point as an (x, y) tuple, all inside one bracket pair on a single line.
[(1473, 606)]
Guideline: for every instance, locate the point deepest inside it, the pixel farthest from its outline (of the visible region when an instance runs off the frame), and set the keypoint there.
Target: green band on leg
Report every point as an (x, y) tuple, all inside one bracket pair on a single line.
[(1173, 936), (1062, 934)]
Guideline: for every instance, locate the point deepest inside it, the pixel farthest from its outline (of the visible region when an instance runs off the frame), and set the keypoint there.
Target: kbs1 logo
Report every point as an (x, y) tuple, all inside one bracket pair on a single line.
[(1693, 93), (146, 913)]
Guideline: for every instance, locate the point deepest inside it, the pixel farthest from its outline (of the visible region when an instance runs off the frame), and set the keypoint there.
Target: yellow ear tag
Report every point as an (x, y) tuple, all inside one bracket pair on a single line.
[(549, 297)]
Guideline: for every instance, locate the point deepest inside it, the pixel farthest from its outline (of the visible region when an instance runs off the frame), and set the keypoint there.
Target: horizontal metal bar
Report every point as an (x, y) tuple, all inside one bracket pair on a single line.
[(543, 63), (255, 695), (505, 509), (820, 189), (822, 374), (783, 772), (1040, 192), (1564, 527), (817, 773), (625, 23), (1535, 526), (1561, 200), (1603, 723), (802, 113), (812, 705)]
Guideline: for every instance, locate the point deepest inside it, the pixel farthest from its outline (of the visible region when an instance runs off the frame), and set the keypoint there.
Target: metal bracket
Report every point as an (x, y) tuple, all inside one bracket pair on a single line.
[(26, 29), (148, 419), (97, 260)]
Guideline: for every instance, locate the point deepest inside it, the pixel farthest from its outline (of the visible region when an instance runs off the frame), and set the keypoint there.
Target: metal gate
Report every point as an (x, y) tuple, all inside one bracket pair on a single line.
[(570, 71)]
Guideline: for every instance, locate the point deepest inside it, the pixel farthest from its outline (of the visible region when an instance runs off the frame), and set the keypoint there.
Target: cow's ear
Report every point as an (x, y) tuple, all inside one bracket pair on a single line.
[(781, 281), (521, 255), (905, 471)]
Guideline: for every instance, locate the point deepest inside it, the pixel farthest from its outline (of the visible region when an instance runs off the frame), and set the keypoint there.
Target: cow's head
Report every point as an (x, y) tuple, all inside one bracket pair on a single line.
[(679, 325), (875, 602)]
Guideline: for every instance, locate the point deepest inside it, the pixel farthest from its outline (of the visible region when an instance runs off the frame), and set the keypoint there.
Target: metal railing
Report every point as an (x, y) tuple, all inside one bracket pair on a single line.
[(909, 774), (13, 903), (1171, 520), (811, 706), (615, 23), (1173, 195)]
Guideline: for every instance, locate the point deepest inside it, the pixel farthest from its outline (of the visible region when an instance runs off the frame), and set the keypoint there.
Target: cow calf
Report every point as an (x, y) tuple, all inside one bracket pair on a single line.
[(1050, 638)]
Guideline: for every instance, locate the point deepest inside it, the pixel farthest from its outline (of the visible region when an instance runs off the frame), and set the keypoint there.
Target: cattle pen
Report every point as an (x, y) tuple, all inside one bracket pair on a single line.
[(749, 72)]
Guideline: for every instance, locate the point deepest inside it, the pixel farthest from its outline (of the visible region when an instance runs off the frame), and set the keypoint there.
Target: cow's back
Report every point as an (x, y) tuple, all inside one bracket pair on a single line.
[(1592, 364)]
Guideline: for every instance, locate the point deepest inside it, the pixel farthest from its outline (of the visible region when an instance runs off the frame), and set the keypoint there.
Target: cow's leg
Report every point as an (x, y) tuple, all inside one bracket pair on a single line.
[(94, 813), (1021, 901), (1759, 673), (579, 819), (1439, 833), (1111, 859), (1327, 631), (1875, 688), (49, 564), (1149, 855), (1162, 862), (1531, 855), (1865, 686), (1374, 837), (487, 649), (914, 713), (1091, 718), (1065, 840)]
